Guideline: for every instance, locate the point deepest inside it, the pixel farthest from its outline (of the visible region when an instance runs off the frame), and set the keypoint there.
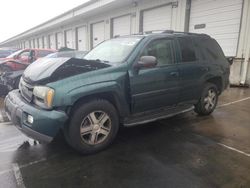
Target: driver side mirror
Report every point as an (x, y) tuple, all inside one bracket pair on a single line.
[(146, 62)]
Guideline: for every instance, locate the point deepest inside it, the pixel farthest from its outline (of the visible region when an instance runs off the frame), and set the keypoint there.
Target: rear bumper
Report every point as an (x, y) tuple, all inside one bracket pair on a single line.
[(46, 124)]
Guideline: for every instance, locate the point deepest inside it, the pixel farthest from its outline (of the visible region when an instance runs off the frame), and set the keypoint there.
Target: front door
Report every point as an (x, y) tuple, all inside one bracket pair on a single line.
[(156, 87)]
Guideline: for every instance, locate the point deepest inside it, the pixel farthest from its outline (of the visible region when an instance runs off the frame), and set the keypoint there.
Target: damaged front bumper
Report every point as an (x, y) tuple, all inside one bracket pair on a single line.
[(45, 125)]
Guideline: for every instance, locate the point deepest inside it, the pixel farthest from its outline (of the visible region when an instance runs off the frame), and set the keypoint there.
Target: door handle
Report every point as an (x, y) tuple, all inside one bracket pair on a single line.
[(175, 74)]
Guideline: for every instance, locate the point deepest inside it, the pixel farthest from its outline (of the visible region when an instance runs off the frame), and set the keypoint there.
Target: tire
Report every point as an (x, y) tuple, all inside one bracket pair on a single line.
[(92, 127), (208, 100)]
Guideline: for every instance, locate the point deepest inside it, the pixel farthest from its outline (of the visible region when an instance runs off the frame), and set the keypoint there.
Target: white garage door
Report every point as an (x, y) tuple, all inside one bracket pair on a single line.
[(157, 18), (82, 39), (69, 38), (40, 42), (59, 40), (26, 44), (218, 18), (37, 43), (45, 42), (52, 41), (122, 26), (98, 33)]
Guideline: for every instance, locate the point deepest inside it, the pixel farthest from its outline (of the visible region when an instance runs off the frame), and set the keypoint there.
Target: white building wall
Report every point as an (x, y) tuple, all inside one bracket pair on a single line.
[(108, 10)]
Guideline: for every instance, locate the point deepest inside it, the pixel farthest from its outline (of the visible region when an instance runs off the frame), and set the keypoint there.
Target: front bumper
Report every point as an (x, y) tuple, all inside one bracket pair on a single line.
[(46, 124)]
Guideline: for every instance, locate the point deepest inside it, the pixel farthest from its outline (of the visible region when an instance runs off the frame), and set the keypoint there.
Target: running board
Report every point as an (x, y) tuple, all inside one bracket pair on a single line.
[(147, 118)]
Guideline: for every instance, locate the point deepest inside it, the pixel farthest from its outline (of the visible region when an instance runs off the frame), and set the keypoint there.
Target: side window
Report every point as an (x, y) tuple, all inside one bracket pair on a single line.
[(24, 54), (43, 53), (210, 50), (187, 50), (162, 50)]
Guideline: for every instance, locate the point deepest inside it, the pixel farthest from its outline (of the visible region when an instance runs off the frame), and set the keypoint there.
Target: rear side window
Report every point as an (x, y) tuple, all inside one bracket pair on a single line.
[(187, 50), (210, 49), (43, 53)]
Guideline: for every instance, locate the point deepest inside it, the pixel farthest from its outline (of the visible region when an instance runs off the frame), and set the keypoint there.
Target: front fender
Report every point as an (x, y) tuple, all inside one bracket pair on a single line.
[(109, 87)]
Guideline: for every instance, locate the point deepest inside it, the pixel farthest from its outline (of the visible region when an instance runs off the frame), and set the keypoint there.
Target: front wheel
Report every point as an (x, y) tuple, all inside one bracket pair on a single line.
[(93, 126), (208, 100)]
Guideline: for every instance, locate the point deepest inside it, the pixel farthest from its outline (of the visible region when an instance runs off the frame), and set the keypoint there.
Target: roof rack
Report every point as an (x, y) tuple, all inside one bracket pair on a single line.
[(172, 32), (158, 31)]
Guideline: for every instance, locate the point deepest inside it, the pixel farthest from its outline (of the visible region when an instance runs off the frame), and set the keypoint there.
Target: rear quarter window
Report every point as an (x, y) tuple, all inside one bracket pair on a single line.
[(210, 49)]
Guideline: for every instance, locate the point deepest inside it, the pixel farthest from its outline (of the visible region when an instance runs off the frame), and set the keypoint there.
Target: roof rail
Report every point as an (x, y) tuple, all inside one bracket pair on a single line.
[(173, 32), (159, 31)]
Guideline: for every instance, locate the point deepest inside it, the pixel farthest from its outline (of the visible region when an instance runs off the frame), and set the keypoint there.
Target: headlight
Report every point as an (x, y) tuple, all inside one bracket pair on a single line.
[(43, 96)]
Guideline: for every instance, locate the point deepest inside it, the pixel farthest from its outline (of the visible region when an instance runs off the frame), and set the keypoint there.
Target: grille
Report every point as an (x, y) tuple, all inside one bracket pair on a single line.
[(26, 90)]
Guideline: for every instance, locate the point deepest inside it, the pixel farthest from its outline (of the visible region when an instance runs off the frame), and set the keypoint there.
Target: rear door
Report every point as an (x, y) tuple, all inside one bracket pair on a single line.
[(156, 87), (191, 70)]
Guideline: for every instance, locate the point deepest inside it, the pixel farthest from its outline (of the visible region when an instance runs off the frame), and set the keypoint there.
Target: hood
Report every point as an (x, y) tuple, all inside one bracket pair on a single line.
[(48, 70)]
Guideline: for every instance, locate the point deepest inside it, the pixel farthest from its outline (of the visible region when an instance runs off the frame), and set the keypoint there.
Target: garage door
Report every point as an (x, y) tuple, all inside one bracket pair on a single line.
[(26, 45), (157, 18), (98, 33), (82, 39), (37, 43), (218, 18), (121, 26), (59, 40), (52, 42), (45, 42), (40, 42), (69, 38)]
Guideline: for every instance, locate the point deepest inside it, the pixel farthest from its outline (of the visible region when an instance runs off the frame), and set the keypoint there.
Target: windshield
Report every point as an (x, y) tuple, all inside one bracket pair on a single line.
[(114, 50), (15, 53)]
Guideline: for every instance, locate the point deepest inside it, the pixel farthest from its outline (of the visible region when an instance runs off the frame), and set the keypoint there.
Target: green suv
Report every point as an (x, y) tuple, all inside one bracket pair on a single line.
[(124, 81)]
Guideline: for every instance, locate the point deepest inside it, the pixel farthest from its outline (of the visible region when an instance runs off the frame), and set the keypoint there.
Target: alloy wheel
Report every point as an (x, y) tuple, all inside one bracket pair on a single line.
[(210, 100), (95, 127)]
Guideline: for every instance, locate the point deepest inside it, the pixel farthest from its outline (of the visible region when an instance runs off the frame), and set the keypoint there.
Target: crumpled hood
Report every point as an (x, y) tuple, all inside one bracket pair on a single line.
[(46, 70)]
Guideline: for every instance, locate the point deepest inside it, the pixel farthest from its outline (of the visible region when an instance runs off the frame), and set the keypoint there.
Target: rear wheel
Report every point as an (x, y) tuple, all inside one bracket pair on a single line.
[(93, 126), (208, 100)]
